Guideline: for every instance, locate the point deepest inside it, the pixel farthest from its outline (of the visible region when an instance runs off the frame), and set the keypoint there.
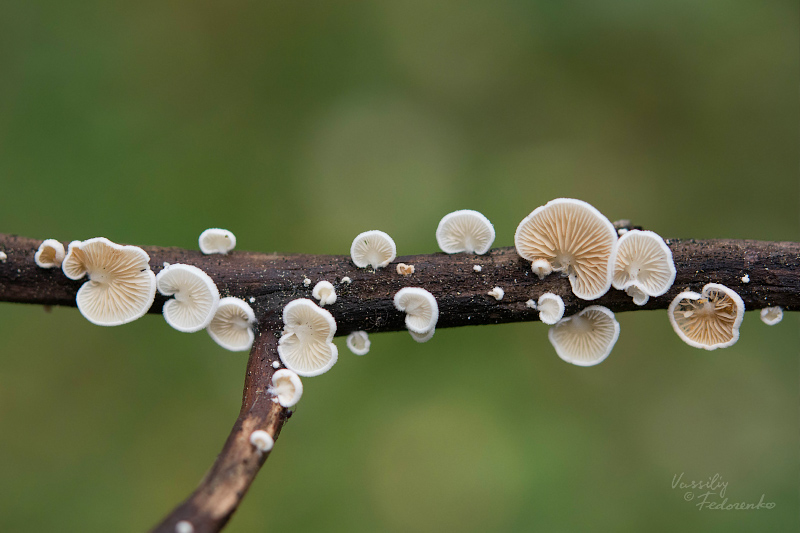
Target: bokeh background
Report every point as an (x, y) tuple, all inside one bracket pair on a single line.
[(298, 125)]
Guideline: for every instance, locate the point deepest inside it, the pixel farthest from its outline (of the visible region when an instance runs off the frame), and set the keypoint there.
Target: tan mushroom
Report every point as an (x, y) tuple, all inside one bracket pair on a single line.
[(709, 319)]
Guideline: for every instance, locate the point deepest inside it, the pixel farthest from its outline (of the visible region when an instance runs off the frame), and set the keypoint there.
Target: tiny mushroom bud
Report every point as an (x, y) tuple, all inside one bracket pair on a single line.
[(347, 280), (306, 282), (771, 315), (477, 268), (642, 265), (184, 526), (422, 311), (286, 387), (746, 278), (121, 286), (232, 325), (422, 337), (3, 257), (324, 292), (262, 440), (358, 342), (551, 308), (373, 248), (306, 345), (50, 254), (196, 297), (531, 303), (465, 231), (404, 269), (572, 237), (216, 241), (586, 338), (708, 320), (497, 293), (276, 364)]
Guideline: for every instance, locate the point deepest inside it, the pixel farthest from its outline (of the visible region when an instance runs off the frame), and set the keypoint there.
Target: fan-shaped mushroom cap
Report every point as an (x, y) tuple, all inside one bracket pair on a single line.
[(306, 345), (121, 286), (216, 241), (286, 387), (262, 440), (643, 265), (196, 297), (373, 248), (551, 308), (572, 237), (465, 231), (50, 254), (422, 311), (771, 315), (708, 320), (232, 325), (422, 337), (586, 338), (358, 342), (324, 292)]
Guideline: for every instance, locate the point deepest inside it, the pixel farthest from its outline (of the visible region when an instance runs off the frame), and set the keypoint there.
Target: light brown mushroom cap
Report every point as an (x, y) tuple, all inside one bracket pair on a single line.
[(196, 297), (465, 231), (121, 286), (50, 254), (373, 248), (643, 265), (306, 345), (574, 238), (707, 320), (586, 338), (232, 325)]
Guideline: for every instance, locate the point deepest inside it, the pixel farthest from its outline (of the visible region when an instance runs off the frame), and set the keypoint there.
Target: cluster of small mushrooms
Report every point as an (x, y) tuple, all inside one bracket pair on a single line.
[(565, 235)]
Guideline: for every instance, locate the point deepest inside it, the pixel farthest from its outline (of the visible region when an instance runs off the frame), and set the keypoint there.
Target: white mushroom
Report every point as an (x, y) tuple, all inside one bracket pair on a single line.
[(422, 337), (324, 292), (707, 320), (276, 364), (643, 265), (358, 342), (196, 297), (216, 241), (771, 315), (422, 311), (551, 308), (306, 282), (477, 268), (50, 254), (121, 286), (404, 269), (572, 237), (262, 440), (497, 293), (586, 338), (531, 304), (347, 280), (465, 231), (373, 248), (746, 278), (184, 526), (232, 325), (286, 387), (306, 346), (3, 257)]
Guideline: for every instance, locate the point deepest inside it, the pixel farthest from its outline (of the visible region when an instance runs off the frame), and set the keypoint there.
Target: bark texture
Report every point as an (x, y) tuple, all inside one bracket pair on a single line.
[(773, 270)]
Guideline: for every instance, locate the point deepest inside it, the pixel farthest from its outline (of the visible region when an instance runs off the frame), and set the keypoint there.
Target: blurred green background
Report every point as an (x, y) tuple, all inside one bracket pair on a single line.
[(298, 125)]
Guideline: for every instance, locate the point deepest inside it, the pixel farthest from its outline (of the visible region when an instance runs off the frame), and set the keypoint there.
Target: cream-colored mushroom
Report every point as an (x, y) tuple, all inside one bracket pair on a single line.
[(586, 338), (465, 231), (404, 269), (232, 325), (262, 440), (50, 254), (643, 265), (709, 319), (216, 241), (771, 315), (373, 248), (497, 293), (306, 345), (422, 337), (324, 292), (551, 308), (196, 297), (358, 342), (572, 237), (121, 286), (286, 387), (422, 311)]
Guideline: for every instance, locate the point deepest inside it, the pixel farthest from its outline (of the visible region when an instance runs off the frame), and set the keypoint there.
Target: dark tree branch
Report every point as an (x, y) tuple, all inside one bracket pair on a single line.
[(366, 304)]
